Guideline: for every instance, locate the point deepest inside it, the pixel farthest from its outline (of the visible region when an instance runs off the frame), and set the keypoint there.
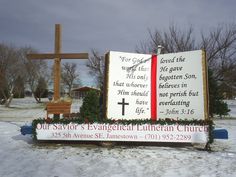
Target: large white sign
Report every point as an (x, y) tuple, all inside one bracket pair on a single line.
[(120, 132), (141, 86)]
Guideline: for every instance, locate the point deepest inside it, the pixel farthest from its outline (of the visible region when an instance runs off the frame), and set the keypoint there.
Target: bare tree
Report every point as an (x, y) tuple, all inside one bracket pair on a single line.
[(10, 69), (172, 40), (219, 43), (96, 65), (35, 70), (69, 75), (16, 71)]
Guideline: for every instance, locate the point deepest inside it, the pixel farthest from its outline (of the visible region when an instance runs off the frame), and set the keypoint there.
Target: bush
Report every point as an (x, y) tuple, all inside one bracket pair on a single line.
[(90, 108), (216, 104), (41, 90)]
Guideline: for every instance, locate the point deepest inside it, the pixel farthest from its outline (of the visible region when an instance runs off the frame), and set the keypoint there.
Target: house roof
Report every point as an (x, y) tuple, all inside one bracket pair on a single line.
[(85, 89)]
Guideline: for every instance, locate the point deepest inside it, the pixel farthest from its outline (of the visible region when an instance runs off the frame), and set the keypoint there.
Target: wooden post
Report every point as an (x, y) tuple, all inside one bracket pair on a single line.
[(57, 63)]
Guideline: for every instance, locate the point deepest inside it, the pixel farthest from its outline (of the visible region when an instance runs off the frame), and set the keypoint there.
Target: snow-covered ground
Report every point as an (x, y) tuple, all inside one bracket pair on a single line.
[(232, 107), (21, 157), (27, 109)]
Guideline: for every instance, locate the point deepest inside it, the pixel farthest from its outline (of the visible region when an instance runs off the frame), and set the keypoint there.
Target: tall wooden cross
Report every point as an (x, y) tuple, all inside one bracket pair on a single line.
[(57, 56)]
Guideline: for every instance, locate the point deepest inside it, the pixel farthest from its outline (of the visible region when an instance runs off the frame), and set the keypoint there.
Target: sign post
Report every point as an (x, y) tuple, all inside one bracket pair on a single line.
[(148, 98)]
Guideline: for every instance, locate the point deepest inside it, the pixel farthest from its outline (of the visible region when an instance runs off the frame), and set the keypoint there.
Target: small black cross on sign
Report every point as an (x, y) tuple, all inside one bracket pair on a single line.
[(123, 106)]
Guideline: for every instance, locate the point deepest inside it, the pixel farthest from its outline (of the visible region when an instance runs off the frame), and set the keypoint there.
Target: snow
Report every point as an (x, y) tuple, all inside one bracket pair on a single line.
[(232, 107), (22, 157)]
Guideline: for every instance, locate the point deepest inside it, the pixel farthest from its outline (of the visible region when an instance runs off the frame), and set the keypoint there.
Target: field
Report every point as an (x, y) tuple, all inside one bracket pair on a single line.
[(22, 157)]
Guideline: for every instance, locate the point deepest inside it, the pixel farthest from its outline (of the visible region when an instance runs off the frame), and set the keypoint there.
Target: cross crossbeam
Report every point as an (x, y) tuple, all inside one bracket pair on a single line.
[(62, 55)]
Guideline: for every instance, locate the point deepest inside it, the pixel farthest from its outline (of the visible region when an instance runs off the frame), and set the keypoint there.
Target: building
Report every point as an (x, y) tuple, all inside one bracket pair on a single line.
[(80, 93)]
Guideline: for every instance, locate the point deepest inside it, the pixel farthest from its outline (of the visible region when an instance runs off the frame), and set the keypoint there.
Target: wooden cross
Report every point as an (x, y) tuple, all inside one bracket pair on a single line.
[(57, 56)]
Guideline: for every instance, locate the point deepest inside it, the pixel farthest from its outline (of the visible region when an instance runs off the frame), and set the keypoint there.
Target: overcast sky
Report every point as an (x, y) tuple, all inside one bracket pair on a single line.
[(103, 25)]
